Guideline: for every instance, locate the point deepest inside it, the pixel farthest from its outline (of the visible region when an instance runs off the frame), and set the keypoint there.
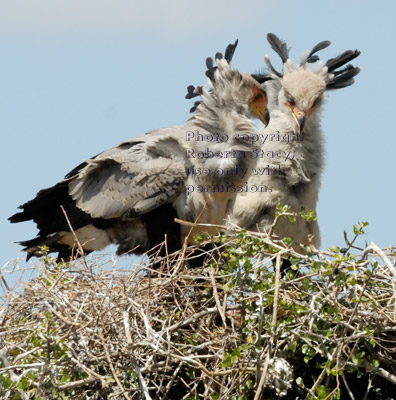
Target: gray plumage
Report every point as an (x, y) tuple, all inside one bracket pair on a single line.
[(130, 194), (295, 99)]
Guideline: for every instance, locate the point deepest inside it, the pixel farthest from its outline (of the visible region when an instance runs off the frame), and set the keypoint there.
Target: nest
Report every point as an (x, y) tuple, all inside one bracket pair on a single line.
[(245, 325)]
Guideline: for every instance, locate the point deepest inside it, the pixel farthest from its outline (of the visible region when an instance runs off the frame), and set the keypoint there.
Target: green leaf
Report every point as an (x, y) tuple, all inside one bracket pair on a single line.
[(6, 382), (358, 229), (190, 373), (334, 249), (249, 384), (293, 347), (227, 360), (322, 392), (288, 241), (23, 383), (307, 349), (64, 379), (245, 347)]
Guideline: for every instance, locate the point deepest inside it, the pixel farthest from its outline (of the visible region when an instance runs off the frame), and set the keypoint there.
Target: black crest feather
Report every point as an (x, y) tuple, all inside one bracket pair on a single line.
[(279, 46), (190, 92), (193, 91), (229, 53), (211, 69), (342, 59), (343, 78), (349, 67), (312, 57), (230, 50), (195, 106)]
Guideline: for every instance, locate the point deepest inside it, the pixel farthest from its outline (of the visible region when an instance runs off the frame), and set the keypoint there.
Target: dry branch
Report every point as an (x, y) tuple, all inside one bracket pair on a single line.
[(234, 328)]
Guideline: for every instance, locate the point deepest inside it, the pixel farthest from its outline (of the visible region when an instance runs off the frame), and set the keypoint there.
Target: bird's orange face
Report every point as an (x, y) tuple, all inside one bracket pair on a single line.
[(258, 105)]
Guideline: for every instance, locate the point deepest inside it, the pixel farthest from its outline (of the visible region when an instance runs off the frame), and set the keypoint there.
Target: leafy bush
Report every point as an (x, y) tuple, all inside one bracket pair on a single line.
[(260, 320)]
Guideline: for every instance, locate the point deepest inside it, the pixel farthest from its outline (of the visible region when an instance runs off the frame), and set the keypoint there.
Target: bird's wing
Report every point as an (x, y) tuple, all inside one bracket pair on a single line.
[(134, 177)]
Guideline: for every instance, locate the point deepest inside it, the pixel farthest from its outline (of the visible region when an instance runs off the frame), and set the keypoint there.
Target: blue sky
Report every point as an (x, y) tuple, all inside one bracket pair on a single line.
[(79, 76)]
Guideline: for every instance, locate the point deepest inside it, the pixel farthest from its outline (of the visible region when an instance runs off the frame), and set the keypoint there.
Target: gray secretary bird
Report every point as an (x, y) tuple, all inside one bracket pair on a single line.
[(130, 194), (290, 160)]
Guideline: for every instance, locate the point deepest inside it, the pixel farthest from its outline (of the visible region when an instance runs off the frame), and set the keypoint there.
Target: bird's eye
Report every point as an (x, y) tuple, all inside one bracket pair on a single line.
[(290, 100), (317, 102), (257, 97)]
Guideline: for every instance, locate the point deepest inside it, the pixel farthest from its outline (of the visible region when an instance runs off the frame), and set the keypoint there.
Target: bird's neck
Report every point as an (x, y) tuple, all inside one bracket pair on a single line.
[(223, 120), (284, 123), (304, 151)]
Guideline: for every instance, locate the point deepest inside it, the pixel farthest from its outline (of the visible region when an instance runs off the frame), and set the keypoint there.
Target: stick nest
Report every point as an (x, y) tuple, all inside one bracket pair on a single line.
[(239, 327)]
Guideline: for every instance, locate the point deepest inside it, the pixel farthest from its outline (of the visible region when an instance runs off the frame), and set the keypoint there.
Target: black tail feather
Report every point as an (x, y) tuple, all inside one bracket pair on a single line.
[(34, 248), (45, 210)]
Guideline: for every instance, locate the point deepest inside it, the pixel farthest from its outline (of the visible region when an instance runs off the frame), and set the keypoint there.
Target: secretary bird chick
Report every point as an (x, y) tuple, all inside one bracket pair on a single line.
[(290, 160), (129, 195)]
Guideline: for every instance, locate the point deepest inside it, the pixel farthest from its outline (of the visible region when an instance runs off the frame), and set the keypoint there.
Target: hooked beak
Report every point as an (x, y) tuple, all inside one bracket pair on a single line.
[(258, 106), (299, 117), (261, 112), (264, 116)]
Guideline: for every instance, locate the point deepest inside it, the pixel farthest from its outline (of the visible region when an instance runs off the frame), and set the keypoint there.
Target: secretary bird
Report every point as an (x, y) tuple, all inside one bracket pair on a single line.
[(290, 160), (130, 195)]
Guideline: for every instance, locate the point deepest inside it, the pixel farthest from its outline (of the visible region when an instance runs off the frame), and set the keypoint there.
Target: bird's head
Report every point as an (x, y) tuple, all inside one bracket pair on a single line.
[(229, 89), (302, 94), (302, 89), (247, 94)]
